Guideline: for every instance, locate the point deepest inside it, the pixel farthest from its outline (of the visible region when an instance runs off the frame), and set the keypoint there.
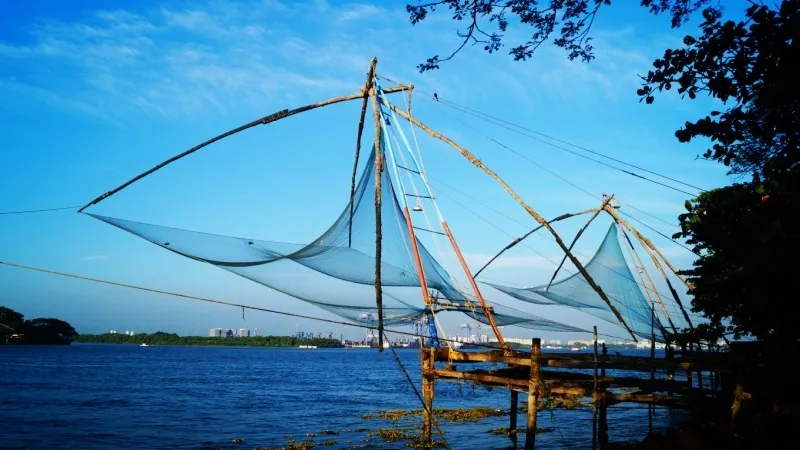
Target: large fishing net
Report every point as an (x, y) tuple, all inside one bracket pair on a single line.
[(336, 271), (610, 271)]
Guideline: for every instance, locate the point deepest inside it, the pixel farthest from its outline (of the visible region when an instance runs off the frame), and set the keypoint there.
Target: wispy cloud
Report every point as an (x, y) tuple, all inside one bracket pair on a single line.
[(94, 258), (179, 59)]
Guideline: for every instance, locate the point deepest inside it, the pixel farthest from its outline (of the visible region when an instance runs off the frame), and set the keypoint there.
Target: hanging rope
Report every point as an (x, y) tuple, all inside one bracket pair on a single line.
[(32, 211)]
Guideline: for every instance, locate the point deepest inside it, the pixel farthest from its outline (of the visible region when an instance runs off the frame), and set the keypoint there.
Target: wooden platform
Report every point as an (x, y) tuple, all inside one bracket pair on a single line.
[(598, 380)]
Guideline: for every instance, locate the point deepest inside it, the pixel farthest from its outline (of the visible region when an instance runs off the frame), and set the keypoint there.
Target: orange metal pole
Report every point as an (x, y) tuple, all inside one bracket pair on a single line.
[(474, 285), (426, 296)]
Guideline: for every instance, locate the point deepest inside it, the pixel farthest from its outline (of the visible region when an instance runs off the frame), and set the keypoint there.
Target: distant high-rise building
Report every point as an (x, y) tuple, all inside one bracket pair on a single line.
[(228, 332), (216, 332), (243, 332), (112, 331)]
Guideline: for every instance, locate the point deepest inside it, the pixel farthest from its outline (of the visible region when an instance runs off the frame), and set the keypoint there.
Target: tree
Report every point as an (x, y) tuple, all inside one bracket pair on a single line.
[(746, 233), (751, 66), (574, 17), (10, 322)]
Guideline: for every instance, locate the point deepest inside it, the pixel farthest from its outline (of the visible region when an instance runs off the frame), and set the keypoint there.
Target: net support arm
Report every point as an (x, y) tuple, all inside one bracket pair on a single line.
[(635, 257), (472, 159), (365, 94), (525, 236), (648, 249), (262, 121), (577, 236)]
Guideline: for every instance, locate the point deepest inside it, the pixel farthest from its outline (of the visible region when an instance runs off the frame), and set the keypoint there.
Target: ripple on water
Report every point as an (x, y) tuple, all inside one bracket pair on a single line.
[(117, 396)]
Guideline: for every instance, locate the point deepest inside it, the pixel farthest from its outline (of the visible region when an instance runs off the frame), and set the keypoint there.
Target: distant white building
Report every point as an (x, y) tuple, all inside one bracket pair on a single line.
[(112, 331), (243, 332), (216, 332)]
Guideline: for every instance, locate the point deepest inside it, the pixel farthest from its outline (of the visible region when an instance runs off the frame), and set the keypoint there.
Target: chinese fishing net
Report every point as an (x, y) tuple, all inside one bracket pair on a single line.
[(610, 271), (336, 271)]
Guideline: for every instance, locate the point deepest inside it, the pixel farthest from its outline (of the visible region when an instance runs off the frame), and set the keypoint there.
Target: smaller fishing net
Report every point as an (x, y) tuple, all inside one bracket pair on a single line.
[(610, 271)]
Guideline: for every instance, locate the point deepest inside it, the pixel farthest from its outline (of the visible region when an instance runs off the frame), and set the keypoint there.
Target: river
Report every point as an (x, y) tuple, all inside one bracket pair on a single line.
[(95, 396)]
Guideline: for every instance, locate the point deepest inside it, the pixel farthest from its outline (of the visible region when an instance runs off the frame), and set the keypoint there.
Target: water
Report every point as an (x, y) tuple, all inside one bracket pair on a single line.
[(114, 396)]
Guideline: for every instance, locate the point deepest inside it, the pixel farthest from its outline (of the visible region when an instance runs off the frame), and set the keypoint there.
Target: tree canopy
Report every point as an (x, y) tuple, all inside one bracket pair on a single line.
[(35, 331), (567, 23), (746, 233)]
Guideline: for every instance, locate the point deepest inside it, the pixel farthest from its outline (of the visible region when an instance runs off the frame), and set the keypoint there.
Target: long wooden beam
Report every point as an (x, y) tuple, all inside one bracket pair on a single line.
[(577, 236), (378, 206), (525, 236), (262, 121), (477, 163), (365, 94), (647, 245)]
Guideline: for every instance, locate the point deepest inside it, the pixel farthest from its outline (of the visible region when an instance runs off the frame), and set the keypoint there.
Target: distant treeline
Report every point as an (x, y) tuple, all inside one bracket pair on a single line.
[(15, 329), (161, 338)]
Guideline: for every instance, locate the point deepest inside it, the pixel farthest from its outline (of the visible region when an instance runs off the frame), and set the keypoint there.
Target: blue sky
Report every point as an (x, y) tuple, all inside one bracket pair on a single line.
[(96, 92)]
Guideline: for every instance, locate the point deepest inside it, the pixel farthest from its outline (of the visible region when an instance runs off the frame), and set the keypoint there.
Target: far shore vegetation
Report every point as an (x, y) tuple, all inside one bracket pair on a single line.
[(162, 338)]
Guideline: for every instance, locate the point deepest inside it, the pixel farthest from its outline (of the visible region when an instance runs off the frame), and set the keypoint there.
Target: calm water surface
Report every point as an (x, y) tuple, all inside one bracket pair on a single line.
[(122, 396)]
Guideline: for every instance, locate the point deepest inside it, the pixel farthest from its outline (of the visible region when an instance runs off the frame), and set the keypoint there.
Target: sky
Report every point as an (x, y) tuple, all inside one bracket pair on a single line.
[(96, 92)]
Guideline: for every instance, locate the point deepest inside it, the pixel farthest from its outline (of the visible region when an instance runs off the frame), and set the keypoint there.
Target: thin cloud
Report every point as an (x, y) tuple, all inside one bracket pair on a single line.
[(94, 258)]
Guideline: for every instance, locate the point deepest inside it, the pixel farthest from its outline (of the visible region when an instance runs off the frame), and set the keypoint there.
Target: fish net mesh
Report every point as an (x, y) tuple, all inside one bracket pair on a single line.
[(336, 271)]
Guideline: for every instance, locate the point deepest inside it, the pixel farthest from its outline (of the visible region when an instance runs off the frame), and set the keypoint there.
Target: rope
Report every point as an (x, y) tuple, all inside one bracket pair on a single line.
[(495, 120), (31, 211), (416, 392)]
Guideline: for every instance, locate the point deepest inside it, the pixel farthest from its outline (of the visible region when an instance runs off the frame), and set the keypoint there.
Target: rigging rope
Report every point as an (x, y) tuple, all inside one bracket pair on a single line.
[(31, 211), (237, 305), (491, 119), (576, 186)]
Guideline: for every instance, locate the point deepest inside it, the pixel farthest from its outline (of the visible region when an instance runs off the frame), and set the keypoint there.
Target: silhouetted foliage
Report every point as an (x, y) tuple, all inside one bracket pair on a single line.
[(10, 322), (15, 329), (746, 233), (752, 67), (571, 20)]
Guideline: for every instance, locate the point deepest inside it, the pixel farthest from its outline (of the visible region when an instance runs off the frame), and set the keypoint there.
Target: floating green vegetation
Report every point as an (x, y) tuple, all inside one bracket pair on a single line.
[(328, 442), (391, 434), (507, 432), (238, 440), (452, 415), (304, 445), (423, 444)]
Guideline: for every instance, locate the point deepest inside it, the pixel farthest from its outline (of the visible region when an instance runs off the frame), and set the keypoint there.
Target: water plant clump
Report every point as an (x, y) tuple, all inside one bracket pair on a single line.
[(453, 415)]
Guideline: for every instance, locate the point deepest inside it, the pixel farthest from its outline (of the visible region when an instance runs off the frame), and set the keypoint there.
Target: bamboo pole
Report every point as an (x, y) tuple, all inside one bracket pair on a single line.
[(534, 384), (512, 426), (365, 91), (648, 243), (481, 300), (378, 203), (634, 254), (471, 158), (577, 236), (594, 390), (648, 249), (262, 121), (524, 236), (427, 392)]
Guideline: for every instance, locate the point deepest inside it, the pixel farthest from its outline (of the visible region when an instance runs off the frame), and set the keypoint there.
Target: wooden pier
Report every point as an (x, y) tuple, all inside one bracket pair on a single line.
[(595, 379)]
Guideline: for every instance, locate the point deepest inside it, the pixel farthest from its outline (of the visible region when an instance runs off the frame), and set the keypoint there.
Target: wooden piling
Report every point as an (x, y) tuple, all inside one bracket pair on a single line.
[(595, 396), (512, 425), (534, 384), (426, 357)]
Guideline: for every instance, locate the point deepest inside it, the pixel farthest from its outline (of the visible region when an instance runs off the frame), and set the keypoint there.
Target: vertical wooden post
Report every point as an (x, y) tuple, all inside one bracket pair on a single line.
[(652, 407), (426, 356), (689, 382), (738, 395), (512, 426), (603, 361), (378, 201), (595, 394), (670, 354), (534, 385), (603, 428)]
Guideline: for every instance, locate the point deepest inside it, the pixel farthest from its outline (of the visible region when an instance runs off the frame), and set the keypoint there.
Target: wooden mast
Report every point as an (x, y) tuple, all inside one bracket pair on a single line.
[(365, 91), (471, 158), (378, 204)]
